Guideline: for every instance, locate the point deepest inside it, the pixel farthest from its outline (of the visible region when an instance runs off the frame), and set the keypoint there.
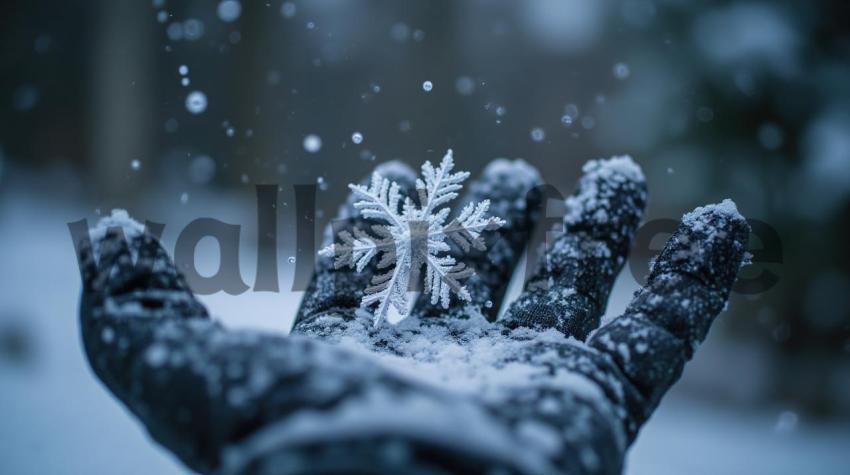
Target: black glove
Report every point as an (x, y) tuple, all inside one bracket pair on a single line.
[(541, 390)]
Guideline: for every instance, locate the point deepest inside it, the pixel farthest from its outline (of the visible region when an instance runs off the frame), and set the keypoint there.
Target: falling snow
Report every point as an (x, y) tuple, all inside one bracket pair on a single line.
[(621, 71), (537, 134), (196, 102), (288, 9), (312, 143), (229, 10)]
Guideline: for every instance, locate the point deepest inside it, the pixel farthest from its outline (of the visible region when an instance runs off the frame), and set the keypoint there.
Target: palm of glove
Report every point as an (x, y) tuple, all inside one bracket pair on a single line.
[(541, 390)]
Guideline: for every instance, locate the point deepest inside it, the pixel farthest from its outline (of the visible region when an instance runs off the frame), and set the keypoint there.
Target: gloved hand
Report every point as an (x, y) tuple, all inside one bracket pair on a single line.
[(542, 390)]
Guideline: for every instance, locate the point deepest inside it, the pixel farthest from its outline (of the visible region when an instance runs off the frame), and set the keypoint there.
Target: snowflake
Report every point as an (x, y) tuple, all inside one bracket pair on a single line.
[(405, 240)]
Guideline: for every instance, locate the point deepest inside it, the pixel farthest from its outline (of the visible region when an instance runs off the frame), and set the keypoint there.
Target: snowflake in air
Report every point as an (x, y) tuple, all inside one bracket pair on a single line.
[(409, 236)]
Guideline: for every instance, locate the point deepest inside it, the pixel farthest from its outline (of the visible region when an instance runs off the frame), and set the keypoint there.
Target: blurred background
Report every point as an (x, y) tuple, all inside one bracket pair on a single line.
[(174, 110)]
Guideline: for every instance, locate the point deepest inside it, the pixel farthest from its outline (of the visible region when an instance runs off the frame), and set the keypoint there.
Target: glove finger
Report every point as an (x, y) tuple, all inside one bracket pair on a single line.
[(688, 286), (511, 187), (336, 293), (121, 265), (570, 287)]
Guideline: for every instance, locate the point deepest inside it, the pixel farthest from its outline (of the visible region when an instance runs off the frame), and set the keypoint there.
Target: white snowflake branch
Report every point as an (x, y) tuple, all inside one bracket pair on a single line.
[(440, 186), (379, 201)]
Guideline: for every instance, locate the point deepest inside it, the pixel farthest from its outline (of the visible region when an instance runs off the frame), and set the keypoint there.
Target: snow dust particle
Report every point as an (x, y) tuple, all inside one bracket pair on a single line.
[(174, 31), (312, 143), (538, 134), (288, 9), (357, 138), (193, 29), (196, 102), (621, 71), (427, 86), (465, 85), (229, 10), (400, 32)]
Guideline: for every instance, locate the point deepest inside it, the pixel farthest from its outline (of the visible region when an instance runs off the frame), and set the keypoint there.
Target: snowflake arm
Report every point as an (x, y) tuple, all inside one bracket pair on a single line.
[(356, 251), (440, 185), (379, 201), (466, 229), (443, 276), (389, 289)]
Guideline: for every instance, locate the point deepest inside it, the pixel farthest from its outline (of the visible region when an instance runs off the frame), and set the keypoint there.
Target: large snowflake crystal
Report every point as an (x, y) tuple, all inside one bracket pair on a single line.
[(408, 237)]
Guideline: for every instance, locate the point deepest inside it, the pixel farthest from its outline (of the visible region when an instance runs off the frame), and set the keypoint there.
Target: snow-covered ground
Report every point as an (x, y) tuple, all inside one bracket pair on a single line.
[(57, 418), (697, 438)]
